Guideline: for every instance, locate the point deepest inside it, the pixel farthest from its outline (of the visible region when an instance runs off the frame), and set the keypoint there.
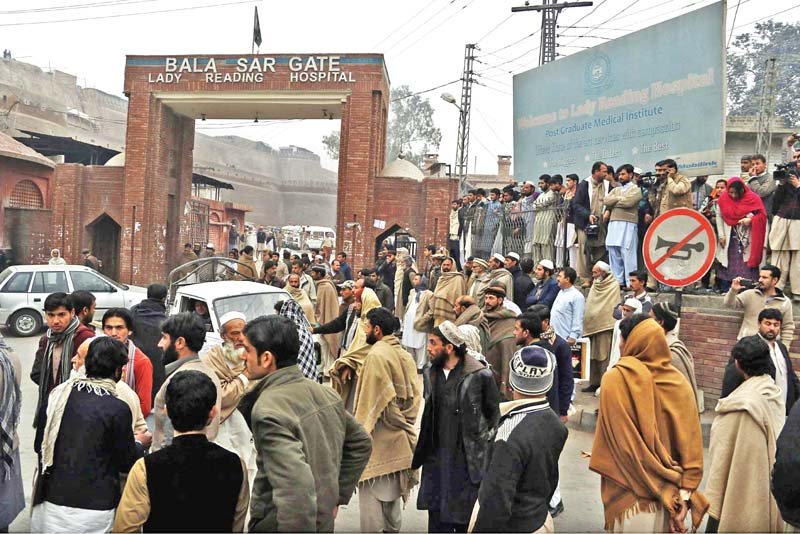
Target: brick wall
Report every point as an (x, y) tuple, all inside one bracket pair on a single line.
[(29, 234), (13, 171), (709, 331)]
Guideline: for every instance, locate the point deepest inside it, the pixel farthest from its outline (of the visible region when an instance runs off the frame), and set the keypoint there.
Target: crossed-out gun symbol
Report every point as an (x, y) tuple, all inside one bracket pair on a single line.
[(688, 248)]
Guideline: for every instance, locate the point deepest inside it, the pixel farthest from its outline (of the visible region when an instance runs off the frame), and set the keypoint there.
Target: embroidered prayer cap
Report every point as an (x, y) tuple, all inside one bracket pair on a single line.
[(531, 370), (451, 332)]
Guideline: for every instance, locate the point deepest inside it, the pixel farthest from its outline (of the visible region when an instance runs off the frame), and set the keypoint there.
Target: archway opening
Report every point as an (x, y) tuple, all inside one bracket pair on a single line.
[(398, 237), (104, 235)]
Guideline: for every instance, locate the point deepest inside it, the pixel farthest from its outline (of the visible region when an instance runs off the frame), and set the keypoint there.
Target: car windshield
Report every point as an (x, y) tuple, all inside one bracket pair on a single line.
[(252, 305)]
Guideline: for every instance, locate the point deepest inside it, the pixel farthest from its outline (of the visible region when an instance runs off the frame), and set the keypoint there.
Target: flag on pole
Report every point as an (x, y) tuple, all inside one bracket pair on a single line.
[(256, 30)]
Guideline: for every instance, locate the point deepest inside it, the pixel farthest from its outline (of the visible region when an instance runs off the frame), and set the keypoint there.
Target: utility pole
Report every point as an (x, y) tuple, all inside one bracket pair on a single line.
[(550, 11), (767, 109), (462, 146)]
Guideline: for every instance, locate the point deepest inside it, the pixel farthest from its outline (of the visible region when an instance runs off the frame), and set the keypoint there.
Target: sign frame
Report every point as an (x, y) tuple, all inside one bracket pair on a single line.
[(703, 226)]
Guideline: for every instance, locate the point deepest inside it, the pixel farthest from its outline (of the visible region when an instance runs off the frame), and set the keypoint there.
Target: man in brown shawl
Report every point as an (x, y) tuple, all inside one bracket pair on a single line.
[(480, 280), (450, 286), (598, 321), (468, 312), (500, 275), (327, 309), (347, 368), (300, 296), (648, 448), (387, 403), (502, 343), (682, 359)]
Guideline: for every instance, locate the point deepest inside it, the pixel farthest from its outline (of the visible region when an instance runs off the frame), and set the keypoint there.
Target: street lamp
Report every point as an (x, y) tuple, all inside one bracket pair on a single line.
[(450, 99)]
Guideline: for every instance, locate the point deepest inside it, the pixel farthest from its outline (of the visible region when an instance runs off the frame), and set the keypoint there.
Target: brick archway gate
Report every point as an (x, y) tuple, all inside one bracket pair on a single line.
[(168, 93)]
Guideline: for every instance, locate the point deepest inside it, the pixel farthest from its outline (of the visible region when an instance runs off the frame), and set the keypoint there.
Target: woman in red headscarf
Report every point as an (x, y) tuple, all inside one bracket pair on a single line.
[(741, 229)]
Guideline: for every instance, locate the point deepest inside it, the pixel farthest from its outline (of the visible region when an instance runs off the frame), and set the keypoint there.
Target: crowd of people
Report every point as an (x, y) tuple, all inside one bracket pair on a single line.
[(450, 381)]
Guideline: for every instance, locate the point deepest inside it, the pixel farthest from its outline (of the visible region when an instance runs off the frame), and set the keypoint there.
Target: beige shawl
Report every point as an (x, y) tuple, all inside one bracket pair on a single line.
[(301, 297), (353, 358), (387, 402), (449, 287), (231, 385), (402, 253), (328, 309), (504, 277), (603, 298), (742, 453), (683, 361)]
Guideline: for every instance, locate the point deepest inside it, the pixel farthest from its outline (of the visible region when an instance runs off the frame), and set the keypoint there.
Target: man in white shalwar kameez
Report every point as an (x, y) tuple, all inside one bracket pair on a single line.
[(234, 435), (415, 341)]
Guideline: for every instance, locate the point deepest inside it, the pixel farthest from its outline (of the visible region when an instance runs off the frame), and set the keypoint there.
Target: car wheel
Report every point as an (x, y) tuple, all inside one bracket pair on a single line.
[(25, 323)]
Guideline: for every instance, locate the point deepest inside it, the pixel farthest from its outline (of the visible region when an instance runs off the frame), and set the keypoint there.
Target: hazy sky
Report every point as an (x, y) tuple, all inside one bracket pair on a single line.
[(423, 41)]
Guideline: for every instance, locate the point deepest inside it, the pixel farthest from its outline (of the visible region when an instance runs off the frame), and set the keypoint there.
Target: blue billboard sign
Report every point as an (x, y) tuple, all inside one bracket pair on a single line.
[(653, 94)]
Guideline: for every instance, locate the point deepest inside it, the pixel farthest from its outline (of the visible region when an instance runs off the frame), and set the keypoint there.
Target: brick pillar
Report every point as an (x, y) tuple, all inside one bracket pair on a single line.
[(158, 162), (66, 203), (361, 157)]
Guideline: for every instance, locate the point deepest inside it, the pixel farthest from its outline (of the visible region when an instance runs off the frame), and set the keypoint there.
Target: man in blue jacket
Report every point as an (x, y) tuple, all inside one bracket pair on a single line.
[(546, 288)]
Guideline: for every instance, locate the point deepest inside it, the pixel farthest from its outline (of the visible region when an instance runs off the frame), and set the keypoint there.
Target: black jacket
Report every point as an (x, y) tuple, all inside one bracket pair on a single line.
[(340, 324), (387, 270), (94, 445), (148, 316), (523, 284), (580, 204), (522, 470), (733, 379), (786, 474), (190, 475), (478, 413)]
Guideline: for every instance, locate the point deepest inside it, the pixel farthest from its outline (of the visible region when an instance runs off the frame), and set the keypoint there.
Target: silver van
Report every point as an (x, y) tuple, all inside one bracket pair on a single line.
[(23, 289)]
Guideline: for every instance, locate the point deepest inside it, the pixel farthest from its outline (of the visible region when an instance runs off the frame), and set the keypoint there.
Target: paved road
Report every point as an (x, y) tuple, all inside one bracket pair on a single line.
[(579, 487)]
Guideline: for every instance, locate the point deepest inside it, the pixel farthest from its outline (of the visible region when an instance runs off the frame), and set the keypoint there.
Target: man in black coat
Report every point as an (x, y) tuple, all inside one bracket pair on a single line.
[(591, 248), (147, 318), (461, 412), (523, 283), (769, 329)]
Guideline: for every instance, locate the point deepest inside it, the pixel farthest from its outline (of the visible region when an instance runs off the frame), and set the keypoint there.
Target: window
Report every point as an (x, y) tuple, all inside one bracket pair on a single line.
[(89, 282), (18, 284), (252, 306), (50, 282), (26, 195)]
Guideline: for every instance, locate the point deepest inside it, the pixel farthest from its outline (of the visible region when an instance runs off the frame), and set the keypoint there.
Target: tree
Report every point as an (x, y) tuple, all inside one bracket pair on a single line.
[(747, 59), (411, 128)]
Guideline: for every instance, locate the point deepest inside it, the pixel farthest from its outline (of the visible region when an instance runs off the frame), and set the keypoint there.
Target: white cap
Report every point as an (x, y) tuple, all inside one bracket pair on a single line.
[(547, 264), (210, 245), (637, 170), (513, 256), (529, 183), (633, 303), (499, 257), (230, 316), (603, 266)]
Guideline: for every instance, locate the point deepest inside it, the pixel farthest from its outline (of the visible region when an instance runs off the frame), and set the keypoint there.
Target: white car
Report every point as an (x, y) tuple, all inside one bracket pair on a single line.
[(23, 289), (250, 298)]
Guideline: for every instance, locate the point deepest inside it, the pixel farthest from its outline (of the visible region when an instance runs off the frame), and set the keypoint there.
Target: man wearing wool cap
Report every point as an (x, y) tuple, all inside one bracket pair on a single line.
[(480, 280), (529, 434), (227, 364)]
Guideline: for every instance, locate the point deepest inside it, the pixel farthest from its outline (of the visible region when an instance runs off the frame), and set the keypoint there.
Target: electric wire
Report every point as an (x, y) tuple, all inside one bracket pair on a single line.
[(121, 15)]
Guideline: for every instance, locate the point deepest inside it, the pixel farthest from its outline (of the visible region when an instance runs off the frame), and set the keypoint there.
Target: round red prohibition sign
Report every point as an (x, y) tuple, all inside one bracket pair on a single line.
[(679, 247)]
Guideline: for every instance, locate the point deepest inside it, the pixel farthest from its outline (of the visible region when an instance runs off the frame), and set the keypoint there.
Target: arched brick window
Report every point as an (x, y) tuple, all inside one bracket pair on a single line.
[(26, 195)]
